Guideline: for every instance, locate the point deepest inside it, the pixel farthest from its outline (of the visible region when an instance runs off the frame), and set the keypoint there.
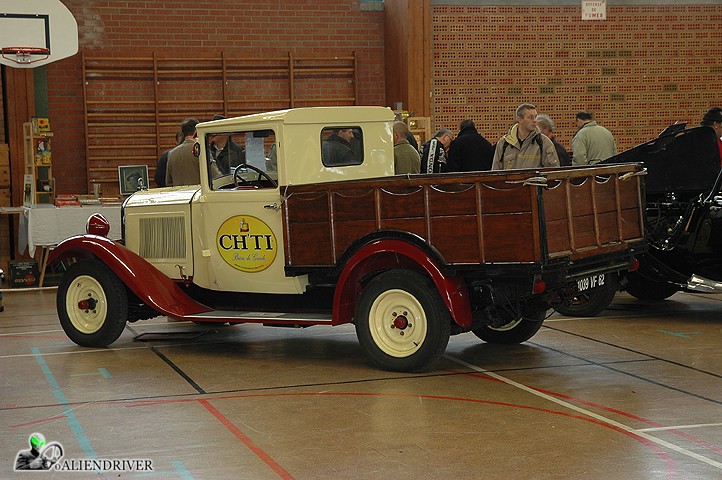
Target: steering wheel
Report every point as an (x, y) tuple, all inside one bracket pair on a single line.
[(239, 180)]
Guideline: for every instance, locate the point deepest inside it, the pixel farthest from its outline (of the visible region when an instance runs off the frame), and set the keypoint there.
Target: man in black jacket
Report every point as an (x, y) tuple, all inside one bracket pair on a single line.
[(162, 164), (433, 152), (469, 151), (337, 150)]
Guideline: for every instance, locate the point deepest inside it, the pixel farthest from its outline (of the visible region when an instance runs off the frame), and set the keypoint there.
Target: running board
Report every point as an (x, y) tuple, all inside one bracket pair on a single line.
[(704, 285), (278, 318)]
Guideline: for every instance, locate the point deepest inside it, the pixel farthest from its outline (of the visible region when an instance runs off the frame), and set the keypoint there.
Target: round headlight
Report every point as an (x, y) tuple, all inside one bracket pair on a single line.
[(97, 225)]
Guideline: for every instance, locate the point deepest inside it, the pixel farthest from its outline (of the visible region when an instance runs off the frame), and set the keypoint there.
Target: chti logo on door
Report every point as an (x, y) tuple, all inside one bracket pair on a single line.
[(246, 243)]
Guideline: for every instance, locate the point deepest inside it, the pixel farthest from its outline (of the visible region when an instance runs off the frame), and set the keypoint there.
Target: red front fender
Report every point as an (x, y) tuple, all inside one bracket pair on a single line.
[(391, 253), (150, 285)]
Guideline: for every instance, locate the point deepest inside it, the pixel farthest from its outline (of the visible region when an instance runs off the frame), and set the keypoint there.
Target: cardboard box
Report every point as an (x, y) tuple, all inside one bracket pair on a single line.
[(24, 273)]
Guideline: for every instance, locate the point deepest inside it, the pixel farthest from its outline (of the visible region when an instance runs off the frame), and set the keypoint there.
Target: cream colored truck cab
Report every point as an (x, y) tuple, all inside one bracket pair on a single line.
[(226, 234)]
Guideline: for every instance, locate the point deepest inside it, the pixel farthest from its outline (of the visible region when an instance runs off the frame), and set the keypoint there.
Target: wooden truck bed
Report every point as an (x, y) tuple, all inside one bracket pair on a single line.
[(519, 216)]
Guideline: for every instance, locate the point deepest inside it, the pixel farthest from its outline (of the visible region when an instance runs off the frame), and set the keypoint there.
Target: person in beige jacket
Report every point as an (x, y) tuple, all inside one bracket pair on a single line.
[(406, 158), (592, 143), (524, 146)]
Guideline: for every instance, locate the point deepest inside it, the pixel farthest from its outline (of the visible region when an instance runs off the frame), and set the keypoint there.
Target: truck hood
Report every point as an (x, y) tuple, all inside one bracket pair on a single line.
[(163, 196)]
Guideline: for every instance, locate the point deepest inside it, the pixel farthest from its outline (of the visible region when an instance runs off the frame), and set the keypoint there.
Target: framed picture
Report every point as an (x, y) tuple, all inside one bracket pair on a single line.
[(132, 178)]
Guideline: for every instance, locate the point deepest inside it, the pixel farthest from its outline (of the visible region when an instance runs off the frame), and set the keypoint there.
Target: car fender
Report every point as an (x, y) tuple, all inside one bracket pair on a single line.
[(149, 284), (383, 254)]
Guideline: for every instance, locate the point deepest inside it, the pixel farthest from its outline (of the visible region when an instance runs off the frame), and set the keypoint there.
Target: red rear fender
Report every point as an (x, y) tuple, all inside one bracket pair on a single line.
[(148, 283), (384, 254)]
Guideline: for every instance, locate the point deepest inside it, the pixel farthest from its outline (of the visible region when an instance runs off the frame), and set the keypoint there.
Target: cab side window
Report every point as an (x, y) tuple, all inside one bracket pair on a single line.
[(342, 145)]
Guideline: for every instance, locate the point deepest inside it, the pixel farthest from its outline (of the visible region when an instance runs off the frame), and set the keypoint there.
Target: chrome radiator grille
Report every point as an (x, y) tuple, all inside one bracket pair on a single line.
[(162, 238)]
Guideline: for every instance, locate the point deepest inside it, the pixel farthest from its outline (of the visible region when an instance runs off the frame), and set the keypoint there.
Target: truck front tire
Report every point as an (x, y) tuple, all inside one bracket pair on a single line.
[(92, 304), (401, 321)]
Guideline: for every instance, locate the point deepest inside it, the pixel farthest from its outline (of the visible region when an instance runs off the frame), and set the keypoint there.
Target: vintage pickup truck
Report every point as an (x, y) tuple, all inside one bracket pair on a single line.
[(280, 233)]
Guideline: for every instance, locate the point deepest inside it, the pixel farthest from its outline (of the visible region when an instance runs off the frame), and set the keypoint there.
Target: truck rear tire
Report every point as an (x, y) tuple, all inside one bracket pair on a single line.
[(644, 289), (92, 304), (517, 330), (401, 321), (591, 304)]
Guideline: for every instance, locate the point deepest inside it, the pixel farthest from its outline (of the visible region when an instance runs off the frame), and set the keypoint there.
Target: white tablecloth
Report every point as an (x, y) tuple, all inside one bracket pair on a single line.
[(48, 225)]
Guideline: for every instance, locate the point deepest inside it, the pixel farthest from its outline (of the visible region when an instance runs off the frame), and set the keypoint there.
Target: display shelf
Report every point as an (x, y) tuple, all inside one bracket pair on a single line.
[(39, 185)]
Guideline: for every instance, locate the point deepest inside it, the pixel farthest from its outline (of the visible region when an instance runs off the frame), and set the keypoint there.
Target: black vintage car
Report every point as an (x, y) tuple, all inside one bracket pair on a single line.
[(683, 221)]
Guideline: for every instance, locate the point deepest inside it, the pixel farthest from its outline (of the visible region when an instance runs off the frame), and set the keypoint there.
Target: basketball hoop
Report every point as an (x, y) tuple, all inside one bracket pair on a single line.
[(24, 55)]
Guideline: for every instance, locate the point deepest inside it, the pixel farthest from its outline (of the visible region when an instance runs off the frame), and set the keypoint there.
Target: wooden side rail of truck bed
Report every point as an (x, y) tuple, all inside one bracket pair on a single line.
[(516, 216)]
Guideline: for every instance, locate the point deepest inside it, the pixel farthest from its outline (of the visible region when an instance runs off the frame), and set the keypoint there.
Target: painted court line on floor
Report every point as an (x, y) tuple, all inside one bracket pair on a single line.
[(583, 411), (679, 427)]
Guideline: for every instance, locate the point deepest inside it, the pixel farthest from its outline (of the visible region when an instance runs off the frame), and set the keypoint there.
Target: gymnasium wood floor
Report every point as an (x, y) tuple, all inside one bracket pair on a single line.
[(635, 393)]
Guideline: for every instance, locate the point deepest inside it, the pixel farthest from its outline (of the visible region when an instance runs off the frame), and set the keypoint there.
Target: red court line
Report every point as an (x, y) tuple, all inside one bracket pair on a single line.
[(260, 453), (679, 433), (661, 453), (42, 420)]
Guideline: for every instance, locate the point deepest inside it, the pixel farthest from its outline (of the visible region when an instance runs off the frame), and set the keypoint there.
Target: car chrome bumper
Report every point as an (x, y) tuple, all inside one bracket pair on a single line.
[(704, 285)]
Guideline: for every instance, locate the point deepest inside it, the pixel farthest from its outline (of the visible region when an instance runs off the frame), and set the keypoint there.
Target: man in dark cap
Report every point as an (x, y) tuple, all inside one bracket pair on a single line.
[(592, 143), (713, 118)]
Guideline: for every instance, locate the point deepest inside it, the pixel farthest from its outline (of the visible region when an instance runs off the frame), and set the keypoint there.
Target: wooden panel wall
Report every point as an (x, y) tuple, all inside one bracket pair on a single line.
[(19, 98), (135, 105), (20, 102), (408, 55)]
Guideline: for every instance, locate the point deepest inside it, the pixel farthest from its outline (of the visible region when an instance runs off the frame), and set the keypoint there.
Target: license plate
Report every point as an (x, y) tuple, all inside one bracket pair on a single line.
[(587, 283)]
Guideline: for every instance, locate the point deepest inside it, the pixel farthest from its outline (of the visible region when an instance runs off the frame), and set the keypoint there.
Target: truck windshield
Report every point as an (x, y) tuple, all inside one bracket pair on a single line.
[(241, 159)]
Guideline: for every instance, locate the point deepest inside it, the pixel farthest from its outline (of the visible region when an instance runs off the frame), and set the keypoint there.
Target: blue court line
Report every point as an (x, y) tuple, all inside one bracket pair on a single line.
[(68, 412), (680, 334), (182, 470), (78, 431)]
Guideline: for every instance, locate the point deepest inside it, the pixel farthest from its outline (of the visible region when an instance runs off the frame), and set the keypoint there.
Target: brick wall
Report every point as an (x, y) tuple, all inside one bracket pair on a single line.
[(642, 69), (203, 28)]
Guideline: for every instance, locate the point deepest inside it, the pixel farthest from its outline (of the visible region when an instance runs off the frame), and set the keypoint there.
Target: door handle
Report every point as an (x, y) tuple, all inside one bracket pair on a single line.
[(272, 206)]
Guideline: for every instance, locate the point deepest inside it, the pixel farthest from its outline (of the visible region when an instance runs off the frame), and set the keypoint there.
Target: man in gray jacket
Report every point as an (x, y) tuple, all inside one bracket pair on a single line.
[(524, 146), (592, 143)]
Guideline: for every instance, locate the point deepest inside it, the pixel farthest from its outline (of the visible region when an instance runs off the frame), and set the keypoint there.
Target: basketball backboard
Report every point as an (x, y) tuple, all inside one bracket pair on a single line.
[(36, 32)]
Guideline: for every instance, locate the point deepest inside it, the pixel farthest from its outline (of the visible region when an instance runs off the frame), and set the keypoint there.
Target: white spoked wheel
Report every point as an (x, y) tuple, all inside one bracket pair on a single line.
[(92, 304), (86, 304), (401, 321), (398, 323)]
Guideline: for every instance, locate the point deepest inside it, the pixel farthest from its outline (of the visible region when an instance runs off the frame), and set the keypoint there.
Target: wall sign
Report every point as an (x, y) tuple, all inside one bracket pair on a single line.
[(594, 9)]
